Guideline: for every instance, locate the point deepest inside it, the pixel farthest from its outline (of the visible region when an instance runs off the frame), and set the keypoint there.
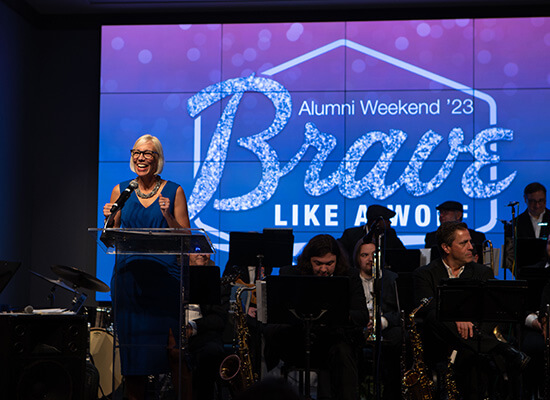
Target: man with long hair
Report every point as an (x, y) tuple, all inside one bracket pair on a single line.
[(334, 348)]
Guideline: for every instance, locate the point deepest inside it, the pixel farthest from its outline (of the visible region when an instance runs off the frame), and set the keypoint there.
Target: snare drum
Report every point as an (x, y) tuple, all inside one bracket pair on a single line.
[(100, 316), (103, 318), (101, 352)]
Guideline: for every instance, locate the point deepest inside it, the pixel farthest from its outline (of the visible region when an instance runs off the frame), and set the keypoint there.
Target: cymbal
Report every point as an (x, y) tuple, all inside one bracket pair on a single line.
[(56, 282), (80, 278)]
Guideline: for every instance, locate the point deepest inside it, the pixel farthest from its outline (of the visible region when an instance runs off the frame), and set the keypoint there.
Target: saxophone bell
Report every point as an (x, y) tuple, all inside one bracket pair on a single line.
[(230, 367), (237, 368)]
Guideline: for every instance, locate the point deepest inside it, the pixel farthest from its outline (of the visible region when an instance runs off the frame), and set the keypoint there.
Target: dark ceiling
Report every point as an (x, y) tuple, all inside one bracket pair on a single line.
[(53, 12)]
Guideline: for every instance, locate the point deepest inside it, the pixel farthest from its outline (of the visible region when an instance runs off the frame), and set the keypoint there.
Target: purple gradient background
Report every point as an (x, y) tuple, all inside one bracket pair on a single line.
[(149, 72)]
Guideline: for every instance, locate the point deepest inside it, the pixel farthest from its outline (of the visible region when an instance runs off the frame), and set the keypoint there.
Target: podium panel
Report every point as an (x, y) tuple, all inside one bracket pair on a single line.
[(152, 240), (151, 290)]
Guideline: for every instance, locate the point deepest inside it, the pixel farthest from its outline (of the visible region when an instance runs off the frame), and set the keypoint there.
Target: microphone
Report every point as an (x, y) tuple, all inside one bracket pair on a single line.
[(512, 203), (119, 203), (374, 229)]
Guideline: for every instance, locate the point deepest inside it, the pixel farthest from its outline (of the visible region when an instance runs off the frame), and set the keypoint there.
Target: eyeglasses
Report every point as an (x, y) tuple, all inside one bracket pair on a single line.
[(147, 154), (536, 201)]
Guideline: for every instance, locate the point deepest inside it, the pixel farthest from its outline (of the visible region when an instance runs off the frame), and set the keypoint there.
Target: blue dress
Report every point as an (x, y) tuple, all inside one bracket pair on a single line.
[(145, 292)]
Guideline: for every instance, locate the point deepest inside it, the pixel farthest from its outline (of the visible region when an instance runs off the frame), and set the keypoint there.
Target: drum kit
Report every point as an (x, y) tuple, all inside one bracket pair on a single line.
[(103, 347)]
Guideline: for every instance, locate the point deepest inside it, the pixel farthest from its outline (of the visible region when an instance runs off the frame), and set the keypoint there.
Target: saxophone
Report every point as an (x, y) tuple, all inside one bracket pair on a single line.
[(416, 385), (237, 368), (451, 390)]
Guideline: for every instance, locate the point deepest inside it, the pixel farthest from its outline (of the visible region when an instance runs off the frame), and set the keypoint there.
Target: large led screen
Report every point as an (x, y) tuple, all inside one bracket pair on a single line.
[(304, 125)]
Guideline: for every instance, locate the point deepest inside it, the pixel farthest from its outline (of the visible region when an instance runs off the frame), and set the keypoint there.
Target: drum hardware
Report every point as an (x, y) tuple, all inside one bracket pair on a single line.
[(103, 347), (56, 283), (103, 351), (79, 278), (100, 316)]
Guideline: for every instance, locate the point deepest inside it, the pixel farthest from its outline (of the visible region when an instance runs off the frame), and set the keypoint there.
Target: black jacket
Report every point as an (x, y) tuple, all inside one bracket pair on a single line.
[(426, 281), (388, 303), (525, 227)]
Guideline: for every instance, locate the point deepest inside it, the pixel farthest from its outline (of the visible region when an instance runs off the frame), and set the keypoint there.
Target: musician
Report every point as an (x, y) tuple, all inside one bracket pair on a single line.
[(205, 352), (363, 257), (533, 343), (452, 211), (145, 289), (376, 215), (200, 259), (333, 349), (455, 244), (533, 222)]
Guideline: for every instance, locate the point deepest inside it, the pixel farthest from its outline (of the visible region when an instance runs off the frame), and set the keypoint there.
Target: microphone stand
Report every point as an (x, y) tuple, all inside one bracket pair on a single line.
[(514, 240), (308, 321), (108, 221), (378, 314), (104, 237), (376, 334)]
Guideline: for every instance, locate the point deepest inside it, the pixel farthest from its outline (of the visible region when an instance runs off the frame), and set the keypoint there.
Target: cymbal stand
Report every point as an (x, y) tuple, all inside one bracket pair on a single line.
[(51, 296)]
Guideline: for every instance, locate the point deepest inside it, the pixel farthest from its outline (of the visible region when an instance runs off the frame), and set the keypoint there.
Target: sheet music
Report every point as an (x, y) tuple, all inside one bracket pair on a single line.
[(425, 256)]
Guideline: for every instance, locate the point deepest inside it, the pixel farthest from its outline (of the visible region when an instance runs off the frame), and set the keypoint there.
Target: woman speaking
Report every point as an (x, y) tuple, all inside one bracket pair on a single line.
[(145, 288)]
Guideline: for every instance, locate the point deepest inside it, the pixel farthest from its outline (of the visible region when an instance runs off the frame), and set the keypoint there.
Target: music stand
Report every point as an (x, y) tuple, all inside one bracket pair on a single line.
[(403, 260), (537, 278), (481, 301), (204, 283), (308, 300), (530, 251), (7, 271), (244, 248), (273, 248), (278, 247)]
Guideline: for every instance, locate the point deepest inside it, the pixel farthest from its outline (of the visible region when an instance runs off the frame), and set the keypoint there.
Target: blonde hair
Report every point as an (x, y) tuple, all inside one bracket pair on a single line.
[(158, 148)]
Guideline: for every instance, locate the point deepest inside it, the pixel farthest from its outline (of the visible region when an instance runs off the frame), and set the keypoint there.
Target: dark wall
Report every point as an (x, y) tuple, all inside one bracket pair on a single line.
[(49, 118), (16, 79), (65, 151)]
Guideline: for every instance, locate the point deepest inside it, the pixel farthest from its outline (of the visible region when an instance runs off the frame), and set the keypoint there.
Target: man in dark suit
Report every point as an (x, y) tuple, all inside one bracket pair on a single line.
[(534, 222), (452, 211), (533, 344), (470, 340), (377, 217)]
